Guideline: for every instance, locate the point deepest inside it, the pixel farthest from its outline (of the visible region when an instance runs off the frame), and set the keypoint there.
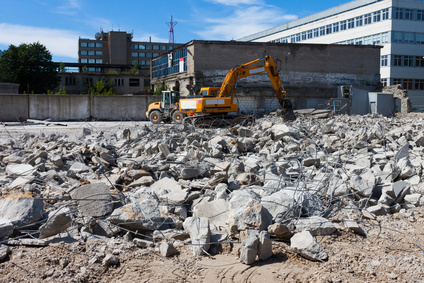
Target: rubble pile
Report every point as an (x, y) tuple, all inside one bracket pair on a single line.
[(164, 186)]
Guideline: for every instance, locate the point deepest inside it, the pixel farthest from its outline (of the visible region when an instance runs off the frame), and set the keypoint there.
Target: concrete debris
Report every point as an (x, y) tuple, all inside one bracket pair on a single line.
[(305, 244), (288, 180), (4, 251), (110, 259)]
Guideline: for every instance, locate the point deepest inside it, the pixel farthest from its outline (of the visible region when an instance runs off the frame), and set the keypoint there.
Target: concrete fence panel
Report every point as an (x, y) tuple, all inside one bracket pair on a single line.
[(59, 107), (13, 107)]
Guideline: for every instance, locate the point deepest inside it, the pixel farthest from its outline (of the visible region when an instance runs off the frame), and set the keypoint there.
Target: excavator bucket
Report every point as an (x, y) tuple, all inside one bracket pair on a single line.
[(287, 113)]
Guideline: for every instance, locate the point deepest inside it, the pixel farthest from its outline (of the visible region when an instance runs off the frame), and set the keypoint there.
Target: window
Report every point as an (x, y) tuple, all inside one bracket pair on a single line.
[(367, 19), (343, 25), (376, 39), (335, 27), (134, 54), (376, 16), (409, 37), (397, 37), (169, 47), (91, 61), (359, 21), (141, 62), (397, 81), (134, 82), (419, 38), (91, 69), (384, 60), (304, 35), (99, 61), (316, 32), (98, 45), (297, 39), (155, 47), (83, 52), (350, 23), (367, 40), (141, 54), (91, 53), (70, 81), (119, 82), (419, 61), (409, 14), (83, 44), (383, 82), (419, 84), (407, 83), (86, 80), (309, 34), (408, 61), (148, 47), (99, 53), (293, 38), (83, 60), (397, 60), (420, 15), (149, 55), (155, 54), (398, 13), (141, 46), (358, 41), (134, 46), (91, 44), (328, 29), (385, 37), (385, 14)]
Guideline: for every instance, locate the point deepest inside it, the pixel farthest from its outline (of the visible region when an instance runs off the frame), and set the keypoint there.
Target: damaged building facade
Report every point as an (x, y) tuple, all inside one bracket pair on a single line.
[(311, 73)]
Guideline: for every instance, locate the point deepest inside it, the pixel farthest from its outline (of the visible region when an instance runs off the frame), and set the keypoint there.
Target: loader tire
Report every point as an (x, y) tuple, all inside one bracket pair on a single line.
[(178, 117), (155, 117)]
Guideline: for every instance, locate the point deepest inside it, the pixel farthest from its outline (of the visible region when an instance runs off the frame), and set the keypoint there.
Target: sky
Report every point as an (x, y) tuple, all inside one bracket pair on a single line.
[(58, 24)]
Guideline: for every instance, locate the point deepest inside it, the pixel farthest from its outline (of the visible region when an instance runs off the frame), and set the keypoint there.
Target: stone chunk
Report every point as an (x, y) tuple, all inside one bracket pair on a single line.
[(4, 251), (249, 250), (305, 244), (200, 234), (167, 249), (265, 245), (110, 259), (57, 222), (21, 209), (20, 169), (216, 211), (316, 225), (363, 184), (280, 231), (6, 229), (99, 199), (143, 243)]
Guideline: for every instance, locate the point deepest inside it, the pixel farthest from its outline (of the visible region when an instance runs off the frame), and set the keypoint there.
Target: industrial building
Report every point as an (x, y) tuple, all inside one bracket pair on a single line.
[(396, 25), (118, 48), (311, 73)]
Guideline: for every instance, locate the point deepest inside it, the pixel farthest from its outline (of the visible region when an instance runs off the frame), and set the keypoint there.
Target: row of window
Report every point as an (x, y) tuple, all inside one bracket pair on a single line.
[(170, 64), (141, 62), (142, 54), (408, 14), (151, 47), (386, 37), (134, 82), (91, 61), (412, 84), (117, 82), (91, 53), (336, 27), (91, 44)]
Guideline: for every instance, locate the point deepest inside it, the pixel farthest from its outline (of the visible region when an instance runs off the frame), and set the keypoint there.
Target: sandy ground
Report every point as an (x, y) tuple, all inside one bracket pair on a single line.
[(392, 252)]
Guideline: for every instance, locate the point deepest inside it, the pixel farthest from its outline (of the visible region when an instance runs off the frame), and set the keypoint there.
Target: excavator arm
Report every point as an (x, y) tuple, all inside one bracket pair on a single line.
[(229, 85)]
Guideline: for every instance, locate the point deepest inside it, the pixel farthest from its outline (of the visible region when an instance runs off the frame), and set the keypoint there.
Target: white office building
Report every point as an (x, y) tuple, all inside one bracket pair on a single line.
[(397, 25)]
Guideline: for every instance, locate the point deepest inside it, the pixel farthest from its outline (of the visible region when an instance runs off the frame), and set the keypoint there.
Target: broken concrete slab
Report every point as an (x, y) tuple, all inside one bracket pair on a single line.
[(20, 169), (200, 234), (167, 249), (93, 199), (21, 209), (249, 250), (58, 221), (280, 230), (216, 211), (304, 244), (264, 246), (6, 229), (316, 225)]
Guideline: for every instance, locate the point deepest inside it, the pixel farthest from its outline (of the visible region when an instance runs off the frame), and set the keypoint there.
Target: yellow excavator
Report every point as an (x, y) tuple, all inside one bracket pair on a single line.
[(218, 100)]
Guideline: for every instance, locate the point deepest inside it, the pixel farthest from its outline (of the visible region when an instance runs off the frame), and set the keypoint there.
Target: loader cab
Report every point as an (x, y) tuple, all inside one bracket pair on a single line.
[(169, 98)]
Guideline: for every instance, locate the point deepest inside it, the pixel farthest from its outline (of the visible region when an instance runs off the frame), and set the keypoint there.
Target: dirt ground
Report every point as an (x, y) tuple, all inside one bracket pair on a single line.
[(392, 252)]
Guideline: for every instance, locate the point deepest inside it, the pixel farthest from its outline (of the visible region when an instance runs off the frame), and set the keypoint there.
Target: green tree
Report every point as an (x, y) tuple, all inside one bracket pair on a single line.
[(29, 65), (101, 87)]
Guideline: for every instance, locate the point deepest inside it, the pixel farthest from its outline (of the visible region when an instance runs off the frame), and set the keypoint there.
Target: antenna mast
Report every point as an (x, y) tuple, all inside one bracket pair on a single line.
[(171, 24)]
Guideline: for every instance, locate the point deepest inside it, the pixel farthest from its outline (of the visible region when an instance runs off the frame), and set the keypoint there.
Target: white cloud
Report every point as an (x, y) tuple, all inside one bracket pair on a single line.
[(244, 22), (237, 2), (69, 8), (58, 42)]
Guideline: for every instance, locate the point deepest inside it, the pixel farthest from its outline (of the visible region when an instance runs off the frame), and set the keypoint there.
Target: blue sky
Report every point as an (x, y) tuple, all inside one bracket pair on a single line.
[(58, 23)]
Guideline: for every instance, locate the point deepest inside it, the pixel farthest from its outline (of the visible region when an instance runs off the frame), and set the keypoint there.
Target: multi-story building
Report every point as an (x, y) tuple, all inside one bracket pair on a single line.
[(397, 25), (116, 49)]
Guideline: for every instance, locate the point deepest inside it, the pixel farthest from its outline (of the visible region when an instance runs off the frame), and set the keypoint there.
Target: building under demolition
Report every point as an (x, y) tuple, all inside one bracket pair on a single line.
[(311, 73)]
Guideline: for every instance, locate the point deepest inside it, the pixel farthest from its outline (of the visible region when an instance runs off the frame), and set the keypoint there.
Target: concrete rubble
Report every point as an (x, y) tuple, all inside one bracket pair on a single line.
[(173, 185)]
